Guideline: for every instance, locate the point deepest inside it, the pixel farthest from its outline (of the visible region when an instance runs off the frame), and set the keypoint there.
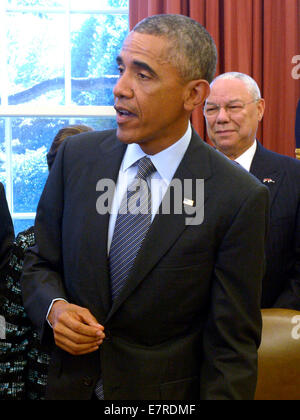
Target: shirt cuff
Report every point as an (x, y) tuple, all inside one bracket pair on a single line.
[(50, 307)]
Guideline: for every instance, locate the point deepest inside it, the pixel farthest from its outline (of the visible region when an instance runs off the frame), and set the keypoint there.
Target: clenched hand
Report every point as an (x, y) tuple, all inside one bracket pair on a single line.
[(75, 329)]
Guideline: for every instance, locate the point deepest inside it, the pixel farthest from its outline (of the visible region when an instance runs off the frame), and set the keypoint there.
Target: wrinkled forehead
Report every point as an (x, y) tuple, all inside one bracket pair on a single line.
[(148, 47), (228, 90)]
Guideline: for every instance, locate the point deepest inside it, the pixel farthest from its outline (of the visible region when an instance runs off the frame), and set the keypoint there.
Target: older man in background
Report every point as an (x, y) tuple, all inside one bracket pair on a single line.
[(233, 111)]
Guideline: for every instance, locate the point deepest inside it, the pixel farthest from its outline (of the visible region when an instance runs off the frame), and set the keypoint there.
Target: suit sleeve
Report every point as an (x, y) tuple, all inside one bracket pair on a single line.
[(42, 278), (233, 330), (6, 230)]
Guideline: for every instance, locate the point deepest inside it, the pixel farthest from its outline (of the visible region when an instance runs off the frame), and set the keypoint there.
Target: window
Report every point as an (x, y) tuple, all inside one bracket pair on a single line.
[(57, 67)]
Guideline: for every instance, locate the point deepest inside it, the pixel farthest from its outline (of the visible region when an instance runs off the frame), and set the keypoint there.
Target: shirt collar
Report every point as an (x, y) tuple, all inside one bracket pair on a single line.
[(166, 162), (246, 158)]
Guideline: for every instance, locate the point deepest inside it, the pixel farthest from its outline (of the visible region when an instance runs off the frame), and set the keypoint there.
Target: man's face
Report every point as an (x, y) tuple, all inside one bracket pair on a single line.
[(149, 95), (233, 128)]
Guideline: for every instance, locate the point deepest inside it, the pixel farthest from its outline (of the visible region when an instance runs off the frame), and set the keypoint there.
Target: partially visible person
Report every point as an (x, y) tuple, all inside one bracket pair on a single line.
[(60, 137), (23, 360), (6, 241), (233, 111), (6, 229)]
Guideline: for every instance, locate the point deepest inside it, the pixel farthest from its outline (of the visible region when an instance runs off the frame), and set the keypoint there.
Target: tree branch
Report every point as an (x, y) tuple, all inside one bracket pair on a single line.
[(78, 84)]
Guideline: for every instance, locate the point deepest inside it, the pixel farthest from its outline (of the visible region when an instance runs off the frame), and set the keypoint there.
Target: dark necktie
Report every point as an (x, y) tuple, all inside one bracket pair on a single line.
[(132, 224)]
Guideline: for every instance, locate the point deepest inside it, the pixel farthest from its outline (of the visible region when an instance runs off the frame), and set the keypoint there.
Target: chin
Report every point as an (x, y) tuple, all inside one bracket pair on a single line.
[(124, 137), (129, 137), (225, 143)]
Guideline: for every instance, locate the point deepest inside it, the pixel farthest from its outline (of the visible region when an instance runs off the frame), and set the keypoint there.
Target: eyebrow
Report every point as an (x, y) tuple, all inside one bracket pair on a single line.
[(232, 100), (139, 64)]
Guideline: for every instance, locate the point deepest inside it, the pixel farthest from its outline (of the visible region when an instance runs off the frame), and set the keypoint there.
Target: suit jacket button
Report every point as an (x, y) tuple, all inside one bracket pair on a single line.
[(87, 381), (107, 335)]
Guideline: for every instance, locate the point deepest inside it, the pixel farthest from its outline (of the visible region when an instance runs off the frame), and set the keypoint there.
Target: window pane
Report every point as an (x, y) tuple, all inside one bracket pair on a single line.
[(96, 42), (2, 154), (86, 4), (36, 58), (22, 224), (31, 140)]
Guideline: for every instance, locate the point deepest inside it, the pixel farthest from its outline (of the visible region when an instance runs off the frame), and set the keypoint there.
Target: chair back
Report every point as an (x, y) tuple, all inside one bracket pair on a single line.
[(279, 356)]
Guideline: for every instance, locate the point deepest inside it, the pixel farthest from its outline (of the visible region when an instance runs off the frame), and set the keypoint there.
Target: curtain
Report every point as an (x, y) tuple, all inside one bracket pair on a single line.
[(256, 37)]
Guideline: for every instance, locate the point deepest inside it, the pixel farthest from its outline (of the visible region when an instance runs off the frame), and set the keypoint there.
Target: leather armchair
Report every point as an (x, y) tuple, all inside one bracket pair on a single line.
[(279, 356)]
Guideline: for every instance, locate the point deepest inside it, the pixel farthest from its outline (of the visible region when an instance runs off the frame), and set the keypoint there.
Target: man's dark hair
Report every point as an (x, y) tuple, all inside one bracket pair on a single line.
[(192, 50)]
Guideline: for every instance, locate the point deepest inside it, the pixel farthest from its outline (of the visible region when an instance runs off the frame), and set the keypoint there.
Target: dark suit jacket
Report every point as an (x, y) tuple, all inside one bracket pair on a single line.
[(6, 229), (281, 284), (297, 126), (188, 323)]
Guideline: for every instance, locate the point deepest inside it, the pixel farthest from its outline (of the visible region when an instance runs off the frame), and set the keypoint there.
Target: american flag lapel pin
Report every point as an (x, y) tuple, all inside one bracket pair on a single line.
[(268, 181), (188, 202)]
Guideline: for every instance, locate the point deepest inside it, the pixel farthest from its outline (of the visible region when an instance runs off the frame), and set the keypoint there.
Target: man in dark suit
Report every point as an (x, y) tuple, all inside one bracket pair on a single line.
[(186, 322), (6, 229), (233, 111)]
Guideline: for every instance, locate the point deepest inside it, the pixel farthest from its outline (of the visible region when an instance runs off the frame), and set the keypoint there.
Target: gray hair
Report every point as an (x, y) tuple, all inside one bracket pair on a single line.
[(250, 83), (193, 51)]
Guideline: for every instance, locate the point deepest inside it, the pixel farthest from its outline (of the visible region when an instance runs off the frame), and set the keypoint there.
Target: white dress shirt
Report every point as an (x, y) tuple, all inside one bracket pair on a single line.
[(245, 160)]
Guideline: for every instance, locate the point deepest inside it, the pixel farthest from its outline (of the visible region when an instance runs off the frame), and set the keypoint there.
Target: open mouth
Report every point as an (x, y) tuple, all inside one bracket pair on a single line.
[(123, 113)]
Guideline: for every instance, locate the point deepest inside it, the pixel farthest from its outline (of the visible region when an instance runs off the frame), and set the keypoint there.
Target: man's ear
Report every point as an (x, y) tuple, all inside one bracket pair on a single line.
[(260, 109), (196, 93)]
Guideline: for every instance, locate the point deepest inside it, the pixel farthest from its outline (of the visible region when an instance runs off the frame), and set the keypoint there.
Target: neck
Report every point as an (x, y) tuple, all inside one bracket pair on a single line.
[(233, 153), (153, 146)]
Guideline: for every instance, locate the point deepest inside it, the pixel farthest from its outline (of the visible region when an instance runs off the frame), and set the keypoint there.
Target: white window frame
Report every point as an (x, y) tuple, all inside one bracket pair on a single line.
[(68, 110)]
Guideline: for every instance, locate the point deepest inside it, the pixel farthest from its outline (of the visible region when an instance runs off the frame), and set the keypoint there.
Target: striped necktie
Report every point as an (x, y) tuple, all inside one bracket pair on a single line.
[(132, 224)]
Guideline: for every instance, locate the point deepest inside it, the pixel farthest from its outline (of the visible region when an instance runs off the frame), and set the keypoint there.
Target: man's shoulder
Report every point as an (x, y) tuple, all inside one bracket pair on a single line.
[(90, 145), (225, 174), (91, 138), (279, 160), (232, 172)]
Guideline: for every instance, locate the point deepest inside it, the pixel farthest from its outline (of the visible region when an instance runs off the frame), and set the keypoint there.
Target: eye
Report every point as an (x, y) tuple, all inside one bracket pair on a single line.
[(120, 70), (235, 108), (143, 76), (210, 110)]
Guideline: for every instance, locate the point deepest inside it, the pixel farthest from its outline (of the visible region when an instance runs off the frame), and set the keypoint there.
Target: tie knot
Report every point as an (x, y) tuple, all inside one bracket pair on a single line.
[(145, 168)]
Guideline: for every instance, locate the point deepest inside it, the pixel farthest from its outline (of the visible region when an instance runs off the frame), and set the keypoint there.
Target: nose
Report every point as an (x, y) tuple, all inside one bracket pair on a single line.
[(123, 87), (222, 116)]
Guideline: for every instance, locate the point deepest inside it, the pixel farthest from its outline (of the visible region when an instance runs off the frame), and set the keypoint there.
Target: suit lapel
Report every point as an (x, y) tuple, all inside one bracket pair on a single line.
[(109, 156), (167, 227), (266, 171)]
